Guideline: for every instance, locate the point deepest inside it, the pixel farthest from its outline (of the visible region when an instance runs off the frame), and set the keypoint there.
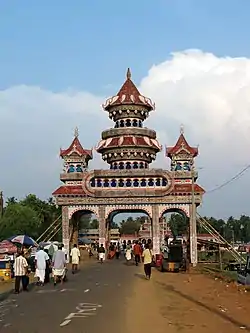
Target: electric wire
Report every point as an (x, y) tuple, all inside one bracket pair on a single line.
[(237, 176)]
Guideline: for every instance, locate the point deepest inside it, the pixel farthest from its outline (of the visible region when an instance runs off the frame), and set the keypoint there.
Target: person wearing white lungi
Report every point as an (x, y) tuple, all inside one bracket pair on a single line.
[(59, 265), (41, 259), (75, 258), (101, 253)]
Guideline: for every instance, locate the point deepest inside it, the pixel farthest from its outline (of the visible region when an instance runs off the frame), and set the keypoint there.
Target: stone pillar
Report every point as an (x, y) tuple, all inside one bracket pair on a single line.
[(65, 227), (102, 226), (193, 236), (75, 221), (155, 229)]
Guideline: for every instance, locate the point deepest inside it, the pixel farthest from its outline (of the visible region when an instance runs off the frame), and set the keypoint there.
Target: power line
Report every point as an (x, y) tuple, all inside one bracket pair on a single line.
[(237, 176)]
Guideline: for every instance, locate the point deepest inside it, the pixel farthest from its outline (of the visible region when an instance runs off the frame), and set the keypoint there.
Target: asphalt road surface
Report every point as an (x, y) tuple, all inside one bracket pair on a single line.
[(93, 300), (114, 297)]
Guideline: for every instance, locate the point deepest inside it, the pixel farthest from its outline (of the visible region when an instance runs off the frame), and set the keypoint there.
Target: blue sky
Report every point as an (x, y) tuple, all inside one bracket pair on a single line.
[(59, 60), (88, 44)]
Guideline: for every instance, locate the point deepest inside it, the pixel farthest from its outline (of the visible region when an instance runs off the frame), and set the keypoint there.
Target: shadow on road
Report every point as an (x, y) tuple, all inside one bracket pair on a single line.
[(205, 306), (140, 276)]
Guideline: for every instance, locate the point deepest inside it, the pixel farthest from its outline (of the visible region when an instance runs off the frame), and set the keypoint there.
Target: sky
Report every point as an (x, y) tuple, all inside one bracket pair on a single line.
[(60, 60)]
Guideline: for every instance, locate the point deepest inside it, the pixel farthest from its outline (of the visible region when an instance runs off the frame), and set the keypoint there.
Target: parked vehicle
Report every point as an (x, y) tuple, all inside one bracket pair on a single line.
[(244, 273), (172, 258), (6, 269)]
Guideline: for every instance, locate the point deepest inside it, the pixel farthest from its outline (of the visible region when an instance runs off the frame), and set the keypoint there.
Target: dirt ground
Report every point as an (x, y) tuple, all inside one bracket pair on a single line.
[(176, 302)]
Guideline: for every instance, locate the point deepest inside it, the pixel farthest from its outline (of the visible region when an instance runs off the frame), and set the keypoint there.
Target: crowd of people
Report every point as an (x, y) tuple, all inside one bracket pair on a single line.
[(140, 251), (55, 266), (45, 266)]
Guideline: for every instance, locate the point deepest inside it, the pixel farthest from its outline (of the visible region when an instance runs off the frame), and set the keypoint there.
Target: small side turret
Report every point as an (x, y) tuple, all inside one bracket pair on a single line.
[(76, 158), (182, 155)]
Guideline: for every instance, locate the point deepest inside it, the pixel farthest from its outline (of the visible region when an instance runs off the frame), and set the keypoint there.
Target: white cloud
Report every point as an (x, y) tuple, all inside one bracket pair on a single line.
[(208, 94)]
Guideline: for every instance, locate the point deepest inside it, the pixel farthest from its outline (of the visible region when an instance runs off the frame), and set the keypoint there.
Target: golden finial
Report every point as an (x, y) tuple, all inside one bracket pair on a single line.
[(128, 74), (182, 129), (76, 132)]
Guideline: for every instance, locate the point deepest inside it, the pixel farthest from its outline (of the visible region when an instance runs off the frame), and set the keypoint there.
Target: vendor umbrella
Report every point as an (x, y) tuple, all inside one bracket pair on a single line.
[(23, 240), (6, 247)]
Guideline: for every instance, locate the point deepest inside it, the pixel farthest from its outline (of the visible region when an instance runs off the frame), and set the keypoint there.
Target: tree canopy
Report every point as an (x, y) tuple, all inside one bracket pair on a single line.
[(30, 216)]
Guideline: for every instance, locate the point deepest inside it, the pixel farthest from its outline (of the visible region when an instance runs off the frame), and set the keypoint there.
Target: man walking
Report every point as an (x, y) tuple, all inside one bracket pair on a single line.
[(21, 270), (75, 258), (42, 260), (101, 253), (59, 265), (137, 253), (147, 260)]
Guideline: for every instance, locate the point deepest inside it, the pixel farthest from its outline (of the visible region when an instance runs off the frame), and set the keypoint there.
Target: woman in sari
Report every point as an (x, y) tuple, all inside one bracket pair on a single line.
[(111, 251)]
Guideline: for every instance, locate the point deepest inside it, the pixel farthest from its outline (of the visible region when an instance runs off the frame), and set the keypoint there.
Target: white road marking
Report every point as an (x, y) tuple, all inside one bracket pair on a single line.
[(83, 310), (66, 322), (46, 291)]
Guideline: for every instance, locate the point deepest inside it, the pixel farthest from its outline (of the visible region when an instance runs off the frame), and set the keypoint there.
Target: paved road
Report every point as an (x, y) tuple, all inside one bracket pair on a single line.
[(91, 301)]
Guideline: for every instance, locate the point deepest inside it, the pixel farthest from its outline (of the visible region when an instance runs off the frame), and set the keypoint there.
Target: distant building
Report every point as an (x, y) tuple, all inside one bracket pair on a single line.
[(145, 231), (207, 237), (127, 237), (93, 234)]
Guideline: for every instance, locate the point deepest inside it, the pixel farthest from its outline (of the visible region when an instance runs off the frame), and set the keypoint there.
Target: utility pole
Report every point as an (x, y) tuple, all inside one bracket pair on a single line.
[(1, 203)]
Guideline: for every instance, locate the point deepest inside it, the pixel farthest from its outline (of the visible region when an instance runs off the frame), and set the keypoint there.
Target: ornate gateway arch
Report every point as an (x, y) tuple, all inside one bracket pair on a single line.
[(129, 184)]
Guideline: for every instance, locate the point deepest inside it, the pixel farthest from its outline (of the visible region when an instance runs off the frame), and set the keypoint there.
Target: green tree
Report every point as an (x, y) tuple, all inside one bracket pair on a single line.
[(130, 226), (85, 221), (46, 210), (94, 224), (19, 220), (10, 201), (178, 224)]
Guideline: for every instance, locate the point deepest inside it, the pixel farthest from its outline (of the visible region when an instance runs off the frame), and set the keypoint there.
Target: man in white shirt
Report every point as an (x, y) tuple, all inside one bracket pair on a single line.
[(75, 258), (20, 270), (41, 261), (66, 254)]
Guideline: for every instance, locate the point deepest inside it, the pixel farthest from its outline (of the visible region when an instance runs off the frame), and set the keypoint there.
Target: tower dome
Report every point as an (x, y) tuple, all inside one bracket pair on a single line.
[(128, 145)]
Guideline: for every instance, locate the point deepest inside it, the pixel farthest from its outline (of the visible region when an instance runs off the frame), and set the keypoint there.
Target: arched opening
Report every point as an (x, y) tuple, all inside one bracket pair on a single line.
[(106, 183), (174, 224), (128, 183), (122, 123), (113, 183), (121, 165), (128, 165), (151, 182), (79, 168), (84, 228), (131, 225), (71, 169), (141, 165), (128, 123), (135, 165), (135, 123)]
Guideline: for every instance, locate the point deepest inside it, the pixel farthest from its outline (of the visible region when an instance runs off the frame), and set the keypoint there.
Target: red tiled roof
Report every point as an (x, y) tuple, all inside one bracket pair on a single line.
[(67, 190), (76, 147), (187, 188), (78, 190), (128, 94), (124, 141), (180, 145)]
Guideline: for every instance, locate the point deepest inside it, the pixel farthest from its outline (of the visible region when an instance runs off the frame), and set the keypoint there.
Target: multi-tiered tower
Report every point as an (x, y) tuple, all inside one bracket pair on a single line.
[(129, 145), (129, 184)]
